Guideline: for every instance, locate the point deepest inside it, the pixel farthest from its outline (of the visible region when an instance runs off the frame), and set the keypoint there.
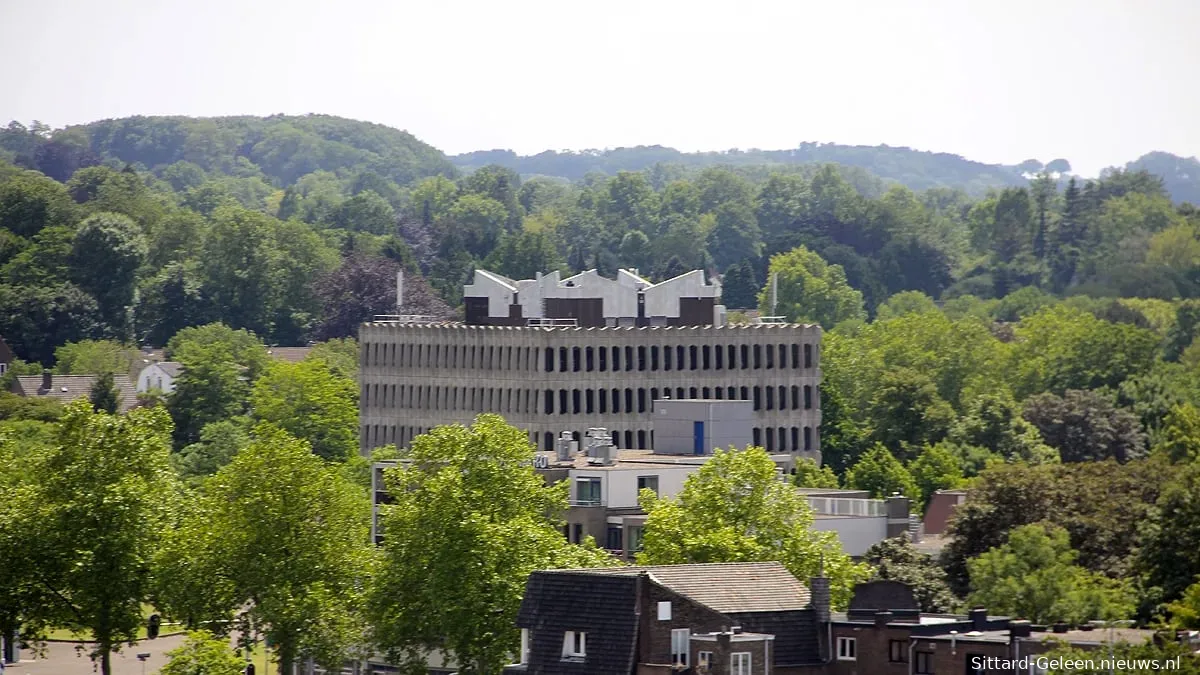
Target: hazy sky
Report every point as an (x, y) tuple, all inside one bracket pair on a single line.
[(1099, 82)]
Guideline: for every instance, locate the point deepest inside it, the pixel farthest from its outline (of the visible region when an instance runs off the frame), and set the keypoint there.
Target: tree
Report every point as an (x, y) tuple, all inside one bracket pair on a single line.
[(524, 255), (994, 422), (203, 654), (1034, 576), (905, 302), (470, 520), (1185, 612), (363, 286), (210, 389), (310, 402), (31, 202), (1181, 434), (635, 249), (92, 517), (896, 559), (812, 290), (172, 300), (89, 357), (340, 354), (366, 212), (735, 235), (1084, 426), (280, 539), (906, 411), (218, 443), (881, 474), (1170, 553), (810, 475), (735, 509), (103, 395), (738, 286), (107, 252), (36, 320), (936, 468), (238, 267)]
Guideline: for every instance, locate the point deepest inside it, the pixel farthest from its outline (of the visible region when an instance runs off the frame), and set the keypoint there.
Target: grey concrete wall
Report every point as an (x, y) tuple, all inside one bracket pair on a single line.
[(414, 377), (726, 424)]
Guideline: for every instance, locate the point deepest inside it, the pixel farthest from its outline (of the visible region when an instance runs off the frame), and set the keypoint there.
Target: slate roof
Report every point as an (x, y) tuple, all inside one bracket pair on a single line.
[(602, 606), (726, 587), (172, 368), (68, 388), (796, 634)]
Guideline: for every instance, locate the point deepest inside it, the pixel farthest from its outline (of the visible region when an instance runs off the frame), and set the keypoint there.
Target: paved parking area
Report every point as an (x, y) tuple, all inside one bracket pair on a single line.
[(62, 658)]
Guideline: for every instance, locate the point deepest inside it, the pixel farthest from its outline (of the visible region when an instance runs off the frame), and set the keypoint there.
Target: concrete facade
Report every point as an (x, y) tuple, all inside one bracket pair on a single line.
[(547, 380), (697, 426)]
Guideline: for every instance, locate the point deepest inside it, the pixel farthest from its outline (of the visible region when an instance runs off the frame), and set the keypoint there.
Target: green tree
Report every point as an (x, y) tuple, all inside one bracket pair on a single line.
[(103, 395), (34, 320), (738, 286), (906, 411), (524, 255), (1034, 576), (211, 388), (1170, 552), (994, 422), (735, 509), (107, 252), (310, 402), (1185, 612), (92, 516), (218, 443), (905, 302), (896, 559), (1181, 434), (280, 539), (812, 290), (366, 212), (340, 354), (469, 522), (881, 474), (735, 235), (238, 268), (89, 357), (810, 475), (203, 654), (936, 468), (31, 202)]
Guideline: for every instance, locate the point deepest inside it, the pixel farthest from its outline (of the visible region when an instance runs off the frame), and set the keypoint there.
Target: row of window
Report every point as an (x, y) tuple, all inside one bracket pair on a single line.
[(574, 648), (575, 401), (772, 439), (898, 650), (591, 359)]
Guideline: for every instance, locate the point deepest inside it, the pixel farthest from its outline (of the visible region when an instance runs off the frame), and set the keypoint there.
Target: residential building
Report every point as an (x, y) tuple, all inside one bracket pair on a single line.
[(68, 388), (159, 376), (6, 356), (940, 510), (756, 618), (592, 301)]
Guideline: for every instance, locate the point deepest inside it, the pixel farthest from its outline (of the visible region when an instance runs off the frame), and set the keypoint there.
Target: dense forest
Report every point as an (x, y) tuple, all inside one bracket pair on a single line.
[(1029, 334)]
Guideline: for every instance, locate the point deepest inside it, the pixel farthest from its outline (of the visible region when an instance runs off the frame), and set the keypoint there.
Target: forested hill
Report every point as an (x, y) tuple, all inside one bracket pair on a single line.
[(1181, 175), (282, 148), (913, 168)]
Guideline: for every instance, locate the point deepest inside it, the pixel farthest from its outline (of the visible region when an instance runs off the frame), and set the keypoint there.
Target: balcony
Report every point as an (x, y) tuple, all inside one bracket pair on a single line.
[(586, 502)]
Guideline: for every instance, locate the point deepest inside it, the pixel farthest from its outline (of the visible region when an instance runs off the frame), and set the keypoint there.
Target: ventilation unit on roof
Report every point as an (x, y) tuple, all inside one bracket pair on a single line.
[(566, 447)]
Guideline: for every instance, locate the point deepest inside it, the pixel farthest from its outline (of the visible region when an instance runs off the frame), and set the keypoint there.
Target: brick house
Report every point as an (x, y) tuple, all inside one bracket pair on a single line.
[(723, 619)]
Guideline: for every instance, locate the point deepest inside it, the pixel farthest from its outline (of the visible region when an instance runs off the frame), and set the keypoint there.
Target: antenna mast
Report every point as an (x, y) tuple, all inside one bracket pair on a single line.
[(399, 290), (774, 291)]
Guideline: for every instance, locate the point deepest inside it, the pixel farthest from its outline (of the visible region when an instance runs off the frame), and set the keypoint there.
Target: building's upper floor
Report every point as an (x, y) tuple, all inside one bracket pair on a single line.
[(590, 300)]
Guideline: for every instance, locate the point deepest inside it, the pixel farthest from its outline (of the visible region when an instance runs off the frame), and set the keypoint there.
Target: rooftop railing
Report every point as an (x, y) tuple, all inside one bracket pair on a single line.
[(848, 506)]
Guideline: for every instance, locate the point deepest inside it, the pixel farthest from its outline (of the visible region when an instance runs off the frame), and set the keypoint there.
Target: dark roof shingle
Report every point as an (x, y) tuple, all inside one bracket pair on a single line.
[(726, 587), (68, 388)]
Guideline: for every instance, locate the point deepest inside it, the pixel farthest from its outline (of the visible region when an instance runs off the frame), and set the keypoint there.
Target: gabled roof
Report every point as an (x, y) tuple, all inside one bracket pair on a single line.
[(602, 606), (68, 388), (172, 368), (725, 587), (289, 354)]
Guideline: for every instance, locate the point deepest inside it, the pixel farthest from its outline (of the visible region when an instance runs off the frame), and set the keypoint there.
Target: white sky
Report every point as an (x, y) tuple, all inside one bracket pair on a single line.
[(1099, 82)]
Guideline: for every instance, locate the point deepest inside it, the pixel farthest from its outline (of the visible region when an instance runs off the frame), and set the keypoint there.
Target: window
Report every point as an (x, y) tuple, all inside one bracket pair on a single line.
[(739, 663), (847, 649), (524, 645), (924, 663), (704, 659), (574, 645), (636, 534), (587, 491), (648, 483), (664, 611), (680, 643), (614, 538), (578, 535), (898, 651)]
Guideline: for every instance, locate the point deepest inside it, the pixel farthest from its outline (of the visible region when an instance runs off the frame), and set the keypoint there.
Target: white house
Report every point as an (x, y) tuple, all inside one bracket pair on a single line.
[(160, 376)]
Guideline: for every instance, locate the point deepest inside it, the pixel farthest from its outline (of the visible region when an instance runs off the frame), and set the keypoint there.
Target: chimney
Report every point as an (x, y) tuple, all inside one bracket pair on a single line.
[(882, 618), (47, 379), (1019, 628), (978, 618), (819, 591)]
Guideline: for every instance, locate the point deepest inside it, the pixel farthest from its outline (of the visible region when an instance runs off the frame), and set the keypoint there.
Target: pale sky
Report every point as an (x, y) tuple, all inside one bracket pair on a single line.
[(1099, 82)]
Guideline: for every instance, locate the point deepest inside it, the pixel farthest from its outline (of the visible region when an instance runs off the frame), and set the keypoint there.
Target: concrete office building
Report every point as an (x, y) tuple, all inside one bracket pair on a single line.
[(416, 376)]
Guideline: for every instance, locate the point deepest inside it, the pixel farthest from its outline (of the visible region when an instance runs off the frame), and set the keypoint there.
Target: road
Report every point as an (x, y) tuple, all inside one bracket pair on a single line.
[(62, 658)]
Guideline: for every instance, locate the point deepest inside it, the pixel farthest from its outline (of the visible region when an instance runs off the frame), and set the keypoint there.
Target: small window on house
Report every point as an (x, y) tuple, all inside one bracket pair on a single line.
[(898, 651), (648, 483), (636, 534), (847, 649), (574, 645), (587, 491), (664, 611), (739, 663), (923, 663), (704, 659), (680, 646)]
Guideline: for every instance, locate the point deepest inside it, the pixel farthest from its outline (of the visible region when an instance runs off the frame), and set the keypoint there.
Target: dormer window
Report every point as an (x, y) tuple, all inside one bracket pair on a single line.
[(574, 645)]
